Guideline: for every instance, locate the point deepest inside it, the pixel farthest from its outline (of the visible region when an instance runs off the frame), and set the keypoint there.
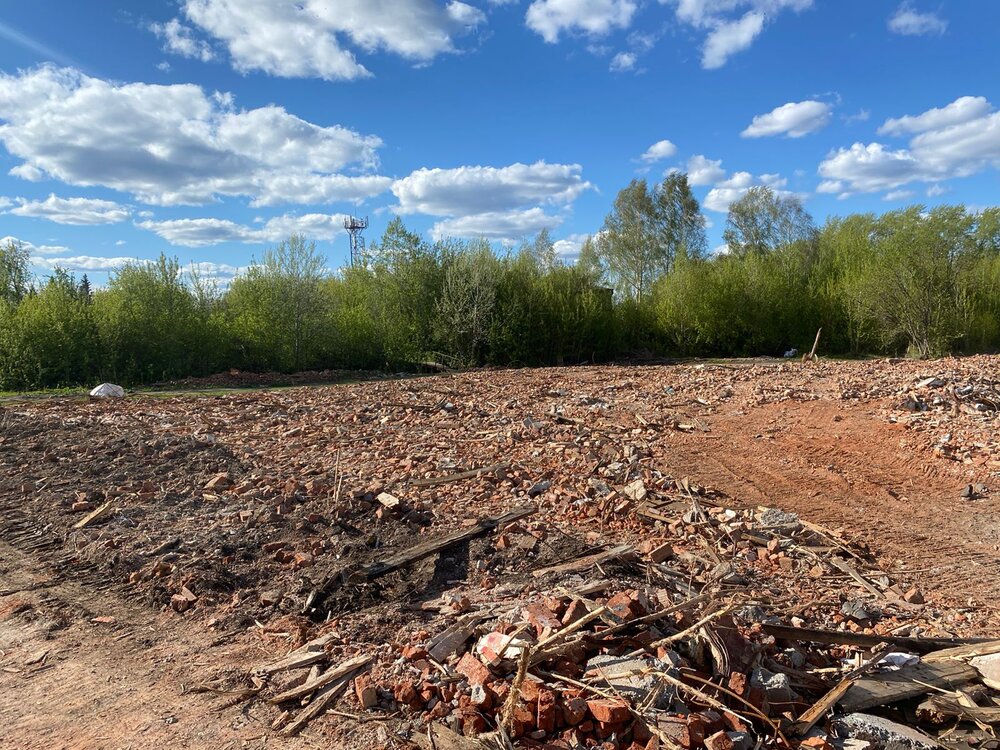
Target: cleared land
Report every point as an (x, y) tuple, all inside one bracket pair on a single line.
[(235, 527)]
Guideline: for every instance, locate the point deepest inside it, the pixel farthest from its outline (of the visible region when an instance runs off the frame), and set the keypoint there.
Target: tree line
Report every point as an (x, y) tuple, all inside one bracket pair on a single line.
[(920, 282)]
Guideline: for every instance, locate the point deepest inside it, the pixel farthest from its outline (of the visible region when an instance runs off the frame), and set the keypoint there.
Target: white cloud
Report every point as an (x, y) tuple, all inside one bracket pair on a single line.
[(911, 22), (176, 144), (935, 190), (465, 191), (862, 115), (961, 110), (728, 38), (728, 191), (207, 231), (568, 248), (496, 225), (731, 25), (898, 195), (81, 211), (88, 263), (660, 150), (550, 18), (308, 38), (623, 62), (958, 140), (34, 249), (180, 40), (704, 171), (794, 119)]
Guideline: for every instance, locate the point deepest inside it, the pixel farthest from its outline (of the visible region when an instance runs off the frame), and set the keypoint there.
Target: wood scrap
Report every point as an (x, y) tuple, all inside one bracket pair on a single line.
[(95, 515), (426, 549), (470, 474), (847, 638), (332, 675), (907, 682), (620, 552)]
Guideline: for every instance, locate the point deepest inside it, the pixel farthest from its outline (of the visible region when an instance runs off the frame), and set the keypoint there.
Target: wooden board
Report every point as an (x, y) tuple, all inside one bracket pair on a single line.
[(843, 638), (584, 563), (420, 551), (908, 682)]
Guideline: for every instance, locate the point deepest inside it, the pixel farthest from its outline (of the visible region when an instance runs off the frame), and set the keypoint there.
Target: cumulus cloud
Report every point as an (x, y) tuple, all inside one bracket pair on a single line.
[(623, 62), (957, 140), (465, 191), (314, 38), (910, 22), (961, 110), (730, 190), (180, 40), (175, 144), (568, 248), (898, 195), (794, 119), (209, 231), (551, 18), (731, 26), (730, 37), (85, 263), (496, 225), (660, 150), (704, 171), (34, 249), (81, 211)]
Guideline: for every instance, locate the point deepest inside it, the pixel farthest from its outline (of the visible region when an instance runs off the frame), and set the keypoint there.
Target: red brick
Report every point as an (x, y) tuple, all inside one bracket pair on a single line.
[(609, 710), (734, 722), (414, 652), (626, 605), (718, 741), (574, 612), (473, 724), (675, 728), (363, 688), (574, 710), (540, 617), (738, 683), (546, 715), (474, 670), (817, 742)]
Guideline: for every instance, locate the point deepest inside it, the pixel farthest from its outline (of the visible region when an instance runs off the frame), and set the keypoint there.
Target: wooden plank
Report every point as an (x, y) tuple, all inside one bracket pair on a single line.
[(329, 676), (310, 653), (825, 704), (908, 682), (966, 651), (842, 638), (589, 561), (323, 700), (471, 474), (94, 515), (420, 551)]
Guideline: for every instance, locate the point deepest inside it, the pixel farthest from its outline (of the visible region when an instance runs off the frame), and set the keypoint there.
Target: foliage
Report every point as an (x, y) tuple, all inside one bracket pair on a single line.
[(917, 281)]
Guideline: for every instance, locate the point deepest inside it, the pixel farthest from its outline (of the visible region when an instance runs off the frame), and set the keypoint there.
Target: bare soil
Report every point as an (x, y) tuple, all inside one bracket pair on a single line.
[(93, 656)]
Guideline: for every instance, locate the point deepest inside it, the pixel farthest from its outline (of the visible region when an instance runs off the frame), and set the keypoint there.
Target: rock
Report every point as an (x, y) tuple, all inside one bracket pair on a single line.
[(635, 490), (740, 740), (989, 668), (773, 517), (108, 390), (860, 611), (389, 502), (776, 685), (538, 488), (624, 675), (882, 734)]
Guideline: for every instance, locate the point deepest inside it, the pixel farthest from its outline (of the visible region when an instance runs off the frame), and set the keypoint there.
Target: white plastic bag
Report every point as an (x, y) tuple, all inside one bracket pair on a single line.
[(108, 390)]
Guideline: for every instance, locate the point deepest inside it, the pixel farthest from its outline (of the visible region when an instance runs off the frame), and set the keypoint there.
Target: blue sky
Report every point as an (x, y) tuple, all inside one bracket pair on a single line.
[(210, 129)]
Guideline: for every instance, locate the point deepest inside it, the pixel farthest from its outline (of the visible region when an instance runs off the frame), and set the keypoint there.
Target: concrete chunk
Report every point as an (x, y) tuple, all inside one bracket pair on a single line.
[(882, 734)]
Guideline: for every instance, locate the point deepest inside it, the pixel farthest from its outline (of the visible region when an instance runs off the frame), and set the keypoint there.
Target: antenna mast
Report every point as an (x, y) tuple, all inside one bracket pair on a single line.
[(355, 226)]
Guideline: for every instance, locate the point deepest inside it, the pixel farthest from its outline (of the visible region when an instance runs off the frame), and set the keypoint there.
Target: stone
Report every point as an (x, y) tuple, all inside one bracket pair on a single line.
[(625, 676), (882, 734), (914, 596), (635, 490), (777, 686), (775, 518)]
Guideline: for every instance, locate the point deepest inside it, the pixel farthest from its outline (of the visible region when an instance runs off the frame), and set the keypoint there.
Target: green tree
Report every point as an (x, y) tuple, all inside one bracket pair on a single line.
[(14, 274), (275, 307), (762, 221)]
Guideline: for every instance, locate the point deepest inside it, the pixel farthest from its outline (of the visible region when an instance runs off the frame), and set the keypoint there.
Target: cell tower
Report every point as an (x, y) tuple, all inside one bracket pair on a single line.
[(355, 227)]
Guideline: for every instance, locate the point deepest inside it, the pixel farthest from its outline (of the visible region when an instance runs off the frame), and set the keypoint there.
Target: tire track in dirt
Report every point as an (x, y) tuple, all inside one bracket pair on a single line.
[(845, 466)]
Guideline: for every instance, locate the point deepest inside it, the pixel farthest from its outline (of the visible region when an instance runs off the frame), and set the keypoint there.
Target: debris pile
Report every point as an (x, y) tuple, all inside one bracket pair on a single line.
[(734, 629)]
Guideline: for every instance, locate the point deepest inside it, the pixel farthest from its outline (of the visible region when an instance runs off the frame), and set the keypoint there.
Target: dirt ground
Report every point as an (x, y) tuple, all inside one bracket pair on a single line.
[(92, 654)]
